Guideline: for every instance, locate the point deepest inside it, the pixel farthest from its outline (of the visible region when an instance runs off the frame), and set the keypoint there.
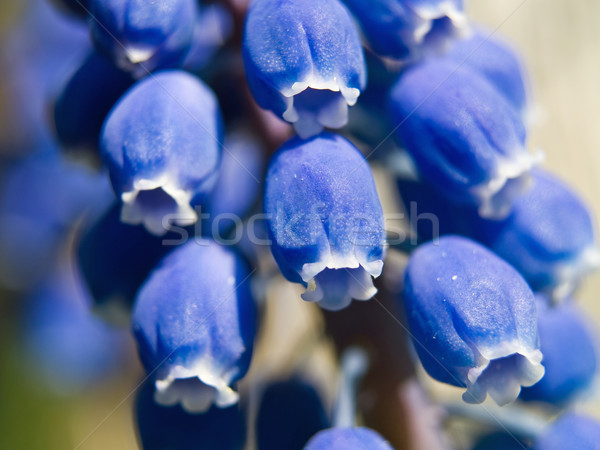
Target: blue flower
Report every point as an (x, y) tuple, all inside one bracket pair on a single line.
[(115, 259), (304, 61), (161, 143), (569, 351), (69, 347), (467, 140), (355, 438), (570, 431), (161, 427), (214, 26), (290, 413), (42, 197), (199, 342), (325, 220), (408, 29), (78, 7), (85, 101), (472, 319), (496, 61), (238, 186), (549, 236), (142, 36)]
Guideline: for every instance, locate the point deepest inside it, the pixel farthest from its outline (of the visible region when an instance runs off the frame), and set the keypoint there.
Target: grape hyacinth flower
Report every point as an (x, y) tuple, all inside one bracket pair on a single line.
[(199, 342), (570, 355), (409, 29), (85, 101), (496, 61), (549, 237), (472, 319), (141, 36), (66, 344), (354, 438), (325, 220), (304, 61), (570, 431), (161, 143), (466, 139)]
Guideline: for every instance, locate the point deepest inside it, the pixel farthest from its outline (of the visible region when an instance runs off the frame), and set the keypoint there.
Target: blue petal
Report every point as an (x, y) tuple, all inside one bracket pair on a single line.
[(472, 319), (86, 100), (570, 431), (496, 61), (162, 145), (115, 259), (408, 29), (141, 36), (356, 438), (291, 48), (173, 428), (199, 342), (41, 199), (466, 139), (65, 343), (569, 350), (325, 219)]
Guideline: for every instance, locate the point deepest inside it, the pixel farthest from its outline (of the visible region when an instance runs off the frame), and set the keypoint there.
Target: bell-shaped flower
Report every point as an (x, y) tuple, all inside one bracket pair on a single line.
[(141, 36), (171, 427), (550, 236), (85, 101), (325, 220), (199, 341), (466, 139), (116, 258), (409, 29), (570, 431), (570, 355), (353, 438), (65, 343), (473, 320), (41, 199), (496, 61), (304, 61), (162, 145)]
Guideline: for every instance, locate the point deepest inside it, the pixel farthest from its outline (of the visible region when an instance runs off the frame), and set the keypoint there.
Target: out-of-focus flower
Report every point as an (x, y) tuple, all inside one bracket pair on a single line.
[(496, 61), (354, 438), (325, 219), (85, 101), (466, 139), (304, 61), (290, 413), (239, 183), (65, 343), (472, 319), (409, 29), (162, 146), (115, 259), (213, 27), (173, 428), (199, 342), (41, 199), (570, 431), (549, 236), (569, 353), (141, 36), (36, 57), (78, 7)]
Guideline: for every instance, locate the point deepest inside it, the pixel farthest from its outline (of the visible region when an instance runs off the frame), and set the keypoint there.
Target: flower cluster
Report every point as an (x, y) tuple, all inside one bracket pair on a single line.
[(237, 138)]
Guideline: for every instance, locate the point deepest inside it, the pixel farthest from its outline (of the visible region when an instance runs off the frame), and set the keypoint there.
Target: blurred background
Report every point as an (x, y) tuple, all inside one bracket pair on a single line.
[(559, 42)]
